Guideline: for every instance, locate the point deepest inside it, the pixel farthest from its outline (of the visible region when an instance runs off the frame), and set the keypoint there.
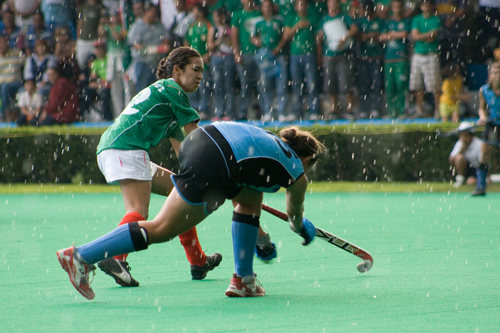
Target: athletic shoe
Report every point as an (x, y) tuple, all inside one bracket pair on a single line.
[(77, 270), (200, 272), (118, 270), (477, 193), (266, 252), (247, 286)]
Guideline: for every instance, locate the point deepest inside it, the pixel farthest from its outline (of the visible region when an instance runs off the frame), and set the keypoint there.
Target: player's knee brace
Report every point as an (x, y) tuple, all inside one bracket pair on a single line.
[(139, 236)]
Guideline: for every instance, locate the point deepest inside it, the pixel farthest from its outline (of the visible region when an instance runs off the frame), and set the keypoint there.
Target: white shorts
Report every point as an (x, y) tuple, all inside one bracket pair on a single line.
[(118, 164)]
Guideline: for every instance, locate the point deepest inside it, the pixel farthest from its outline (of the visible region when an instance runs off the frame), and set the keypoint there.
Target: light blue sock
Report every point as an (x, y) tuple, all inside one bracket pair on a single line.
[(245, 230), (116, 242)]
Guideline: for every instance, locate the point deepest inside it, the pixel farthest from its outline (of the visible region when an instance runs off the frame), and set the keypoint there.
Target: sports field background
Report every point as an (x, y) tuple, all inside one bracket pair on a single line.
[(436, 268)]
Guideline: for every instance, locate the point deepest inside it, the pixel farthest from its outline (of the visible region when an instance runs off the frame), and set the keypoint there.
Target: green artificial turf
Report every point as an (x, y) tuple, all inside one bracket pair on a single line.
[(435, 268)]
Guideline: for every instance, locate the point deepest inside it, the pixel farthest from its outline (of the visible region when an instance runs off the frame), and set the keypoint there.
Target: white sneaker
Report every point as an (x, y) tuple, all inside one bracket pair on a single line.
[(77, 270), (459, 181)]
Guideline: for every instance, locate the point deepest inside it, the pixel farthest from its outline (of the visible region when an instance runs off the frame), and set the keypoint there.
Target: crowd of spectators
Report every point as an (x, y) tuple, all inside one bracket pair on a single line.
[(68, 60)]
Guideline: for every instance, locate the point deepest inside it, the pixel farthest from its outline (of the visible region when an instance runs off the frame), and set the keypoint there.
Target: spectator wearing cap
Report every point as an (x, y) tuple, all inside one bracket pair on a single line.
[(87, 32), (150, 43), (465, 156), (98, 88)]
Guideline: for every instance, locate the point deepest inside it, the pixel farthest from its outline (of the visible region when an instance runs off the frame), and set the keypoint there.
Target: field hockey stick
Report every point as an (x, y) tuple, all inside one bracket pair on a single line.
[(332, 239)]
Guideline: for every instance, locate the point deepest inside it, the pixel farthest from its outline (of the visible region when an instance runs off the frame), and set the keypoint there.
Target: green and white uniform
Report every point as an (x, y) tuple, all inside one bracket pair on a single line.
[(157, 112)]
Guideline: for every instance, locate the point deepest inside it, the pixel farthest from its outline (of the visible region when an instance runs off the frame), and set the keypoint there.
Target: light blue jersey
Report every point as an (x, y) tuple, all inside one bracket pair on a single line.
[(267, 163), (493, 102)]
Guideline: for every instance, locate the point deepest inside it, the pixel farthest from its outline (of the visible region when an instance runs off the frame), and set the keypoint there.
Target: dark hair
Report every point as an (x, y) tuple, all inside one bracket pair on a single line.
[(180, 56), (203, 9), (303, 143), (221, 12)]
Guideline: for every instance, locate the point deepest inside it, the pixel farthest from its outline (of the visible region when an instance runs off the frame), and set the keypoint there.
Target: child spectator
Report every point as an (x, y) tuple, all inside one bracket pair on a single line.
[(30, 103), (222, 66), (449, 102)]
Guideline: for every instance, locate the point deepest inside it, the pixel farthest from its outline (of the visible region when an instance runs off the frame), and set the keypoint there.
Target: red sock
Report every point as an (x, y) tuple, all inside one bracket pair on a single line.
[(129, 218), (194, 253)]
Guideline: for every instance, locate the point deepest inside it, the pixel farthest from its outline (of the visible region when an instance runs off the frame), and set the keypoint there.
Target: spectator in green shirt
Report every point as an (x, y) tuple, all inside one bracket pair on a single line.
[(396, 62), (197, 38), (270, 40), (300, 30), (242, 29), (425, 68)]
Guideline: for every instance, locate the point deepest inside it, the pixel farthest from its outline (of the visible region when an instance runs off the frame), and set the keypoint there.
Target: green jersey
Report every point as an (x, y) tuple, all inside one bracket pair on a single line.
[(269, 32), (99, 67), (304, 40), (245, 22), (158, 111), (371, 48), (197, 37), (396, 49), (424, 25)]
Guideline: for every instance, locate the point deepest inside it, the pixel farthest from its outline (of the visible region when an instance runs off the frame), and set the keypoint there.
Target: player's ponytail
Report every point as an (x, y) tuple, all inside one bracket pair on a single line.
[(179, 56), (303, 143)]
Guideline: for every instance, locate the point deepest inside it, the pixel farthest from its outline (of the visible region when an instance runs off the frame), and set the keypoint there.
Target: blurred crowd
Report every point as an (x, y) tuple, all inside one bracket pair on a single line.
[(63, 61)]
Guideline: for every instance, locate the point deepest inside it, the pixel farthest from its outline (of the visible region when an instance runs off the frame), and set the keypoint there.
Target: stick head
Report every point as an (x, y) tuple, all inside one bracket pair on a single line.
[(365, 266)]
